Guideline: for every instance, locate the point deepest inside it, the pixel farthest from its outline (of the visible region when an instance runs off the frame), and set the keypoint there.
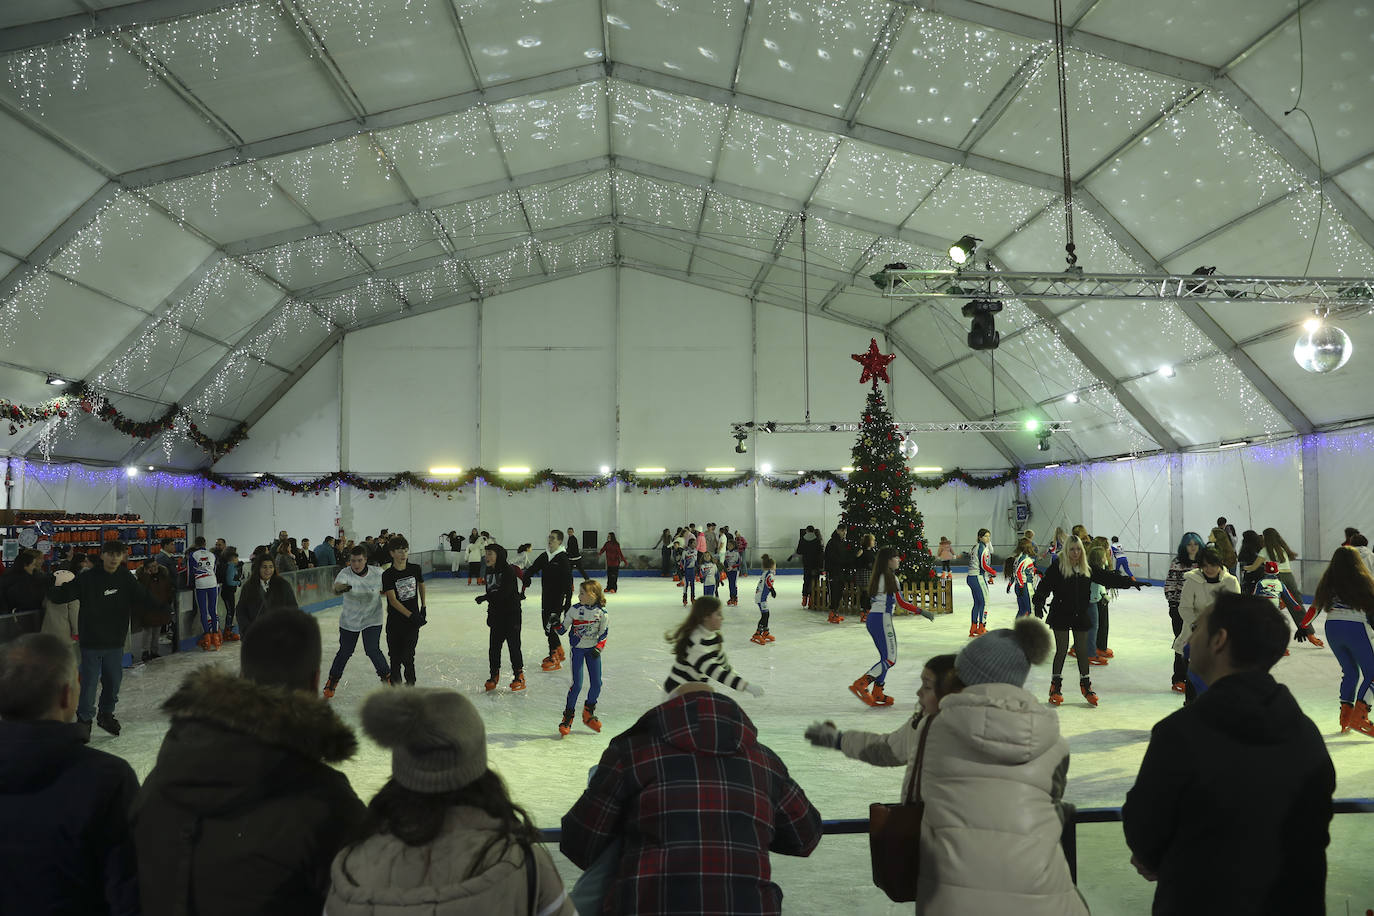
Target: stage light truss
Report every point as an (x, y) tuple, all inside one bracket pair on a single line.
[(1332, 292), (950, 426)]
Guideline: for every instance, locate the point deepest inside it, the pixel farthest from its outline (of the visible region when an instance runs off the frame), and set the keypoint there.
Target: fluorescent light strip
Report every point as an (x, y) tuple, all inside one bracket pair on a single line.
[(513, 470), (1125, 458), (1239, 443), (927, 470), (1048, 466), (720, 470), (446, 472), (846, 470), (651, 470)]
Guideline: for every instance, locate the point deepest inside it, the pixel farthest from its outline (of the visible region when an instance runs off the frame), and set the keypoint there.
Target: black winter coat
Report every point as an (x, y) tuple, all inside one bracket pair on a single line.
[(1232, 805), (20, 591), (838, 556), (242, 813), (1069, 609), (556, 594), (253, 601), (811, 551), (502, 597), (64, 824)]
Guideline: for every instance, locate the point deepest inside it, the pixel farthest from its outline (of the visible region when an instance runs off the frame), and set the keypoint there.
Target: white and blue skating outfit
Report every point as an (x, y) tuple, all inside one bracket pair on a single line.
[(1349, 638), (587, 627), (1272, 587), (980, 575), (201, 564), (710, 577), (879, 623), (763, 590), (1023, 575), (689, 571), (1119, 561), (732, 561)]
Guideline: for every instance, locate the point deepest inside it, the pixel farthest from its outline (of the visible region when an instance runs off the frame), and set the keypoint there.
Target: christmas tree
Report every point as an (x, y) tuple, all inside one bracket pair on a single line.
[(878, 499)]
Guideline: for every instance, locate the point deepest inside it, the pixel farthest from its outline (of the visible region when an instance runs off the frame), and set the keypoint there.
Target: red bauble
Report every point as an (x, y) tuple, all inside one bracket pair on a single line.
[(891, 533), (932, 574), (62, 414), (244, 494), (882, 467), (372, 496), (920, 545)]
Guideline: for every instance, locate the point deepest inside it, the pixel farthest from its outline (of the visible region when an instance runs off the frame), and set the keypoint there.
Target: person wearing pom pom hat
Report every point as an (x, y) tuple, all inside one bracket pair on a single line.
[(443, 835), (992, 780)]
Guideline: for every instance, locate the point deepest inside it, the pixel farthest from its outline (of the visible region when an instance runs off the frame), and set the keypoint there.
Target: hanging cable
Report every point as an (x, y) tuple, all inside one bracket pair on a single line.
[(1316, 144), (806, 327), (1069, 249)]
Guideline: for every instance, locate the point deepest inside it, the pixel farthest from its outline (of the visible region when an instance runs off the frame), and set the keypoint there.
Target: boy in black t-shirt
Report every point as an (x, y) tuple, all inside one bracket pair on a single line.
[(403, 587)]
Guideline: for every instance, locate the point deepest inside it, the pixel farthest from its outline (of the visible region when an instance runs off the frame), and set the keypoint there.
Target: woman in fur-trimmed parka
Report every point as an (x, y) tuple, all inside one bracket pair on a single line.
[(994, 774)]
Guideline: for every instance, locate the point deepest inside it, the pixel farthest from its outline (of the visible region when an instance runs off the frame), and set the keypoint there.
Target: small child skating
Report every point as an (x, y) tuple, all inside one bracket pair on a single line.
[(945, 554), (1024, 577), (762, 592), (699, 650), (586, 626), (689, 572), (709, 573), (1272, 587), (732, 570), (1119, 561)]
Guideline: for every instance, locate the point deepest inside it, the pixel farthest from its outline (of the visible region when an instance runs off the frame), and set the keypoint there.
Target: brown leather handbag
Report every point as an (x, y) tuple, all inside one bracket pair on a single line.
[(894, 837)]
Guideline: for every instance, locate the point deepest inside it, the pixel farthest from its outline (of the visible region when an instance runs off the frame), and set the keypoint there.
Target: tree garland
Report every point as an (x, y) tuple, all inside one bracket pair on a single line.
[(525, 483), (82, 397)]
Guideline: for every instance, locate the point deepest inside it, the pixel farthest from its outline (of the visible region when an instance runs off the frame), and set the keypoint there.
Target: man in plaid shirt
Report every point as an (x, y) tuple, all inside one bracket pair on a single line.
[(699, 804)]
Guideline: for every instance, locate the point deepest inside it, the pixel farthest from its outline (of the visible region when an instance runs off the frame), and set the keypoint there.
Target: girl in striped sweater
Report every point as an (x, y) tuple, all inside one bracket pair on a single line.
[(699, 650)]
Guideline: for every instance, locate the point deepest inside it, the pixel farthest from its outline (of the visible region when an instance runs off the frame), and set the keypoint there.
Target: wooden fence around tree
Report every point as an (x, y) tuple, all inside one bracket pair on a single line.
[(936, 595)]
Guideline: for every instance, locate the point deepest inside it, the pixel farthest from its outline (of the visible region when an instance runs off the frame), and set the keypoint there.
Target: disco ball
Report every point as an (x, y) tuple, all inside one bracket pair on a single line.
[(1324, 349), (909, 448)]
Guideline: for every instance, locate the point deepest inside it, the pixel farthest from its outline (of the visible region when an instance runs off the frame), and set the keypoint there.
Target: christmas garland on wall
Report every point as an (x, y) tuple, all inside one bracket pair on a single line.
[(525, 483), (81, 397)]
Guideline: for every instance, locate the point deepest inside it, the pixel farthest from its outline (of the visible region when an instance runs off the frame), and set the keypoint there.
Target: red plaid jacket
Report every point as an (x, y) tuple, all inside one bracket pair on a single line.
[(699, 803)]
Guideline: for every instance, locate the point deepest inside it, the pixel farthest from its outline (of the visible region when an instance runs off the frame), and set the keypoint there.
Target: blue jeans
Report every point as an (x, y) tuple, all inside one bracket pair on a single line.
[(1349, 642), (372, 645), (582, 657), (732, 576), (106, 667)]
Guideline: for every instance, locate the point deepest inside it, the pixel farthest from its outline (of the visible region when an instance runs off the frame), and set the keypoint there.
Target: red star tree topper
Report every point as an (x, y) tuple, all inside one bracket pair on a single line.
[(874, 363)]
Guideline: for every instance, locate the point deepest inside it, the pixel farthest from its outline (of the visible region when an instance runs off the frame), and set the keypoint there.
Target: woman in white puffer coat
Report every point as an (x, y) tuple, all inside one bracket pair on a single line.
[(994, 773)]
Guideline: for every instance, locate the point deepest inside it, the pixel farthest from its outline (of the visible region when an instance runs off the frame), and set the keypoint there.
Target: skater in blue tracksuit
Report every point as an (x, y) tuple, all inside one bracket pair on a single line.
[(762, 592), (1119, 561), (1346, 594), (981, 576), (1024, 575), (586, 627), (884, 599), (689, 571), (732, 569)]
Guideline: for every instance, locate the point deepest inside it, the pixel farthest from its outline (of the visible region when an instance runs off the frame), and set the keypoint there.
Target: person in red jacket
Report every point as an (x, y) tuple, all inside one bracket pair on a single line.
[(699, 804), (615, 559)]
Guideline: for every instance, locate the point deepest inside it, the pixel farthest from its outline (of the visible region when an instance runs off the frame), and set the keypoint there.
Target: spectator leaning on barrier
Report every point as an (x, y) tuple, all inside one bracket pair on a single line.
[(1231, 809), (242, 812), (64, 834), (699, 803), (443, 835)]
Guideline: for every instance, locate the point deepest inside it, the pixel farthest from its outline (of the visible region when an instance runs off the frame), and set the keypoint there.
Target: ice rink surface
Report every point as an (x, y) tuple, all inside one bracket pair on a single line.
[(805, 674)]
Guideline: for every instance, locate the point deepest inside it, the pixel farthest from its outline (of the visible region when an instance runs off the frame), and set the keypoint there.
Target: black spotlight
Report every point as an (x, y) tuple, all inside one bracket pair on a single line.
[(880, 278), (961, 251), (1042, 440), (740, 447), (984, 335)]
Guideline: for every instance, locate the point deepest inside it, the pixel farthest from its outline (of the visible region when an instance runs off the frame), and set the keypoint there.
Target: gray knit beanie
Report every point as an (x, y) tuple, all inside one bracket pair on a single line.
[(437, 740), (1004, 656)]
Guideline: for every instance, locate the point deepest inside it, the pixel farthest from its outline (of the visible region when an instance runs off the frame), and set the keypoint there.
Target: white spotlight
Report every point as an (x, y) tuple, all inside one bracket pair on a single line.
[(766, 468), (1166, 371), (1071, 397), (131, 471), (605, 469)]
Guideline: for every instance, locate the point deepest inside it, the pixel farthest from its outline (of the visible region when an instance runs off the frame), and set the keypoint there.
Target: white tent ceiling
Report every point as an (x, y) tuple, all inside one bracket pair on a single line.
[(223, 189)]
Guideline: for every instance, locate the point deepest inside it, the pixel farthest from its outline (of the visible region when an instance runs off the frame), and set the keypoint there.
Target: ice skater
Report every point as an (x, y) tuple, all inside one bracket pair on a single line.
[(1346, 594), (201, 567), (709, 573), (503, 596), (587, 626), (981, 577), (945, 554), (1023, 576), (699, 650), (1069, 582), (732, 570), (689, 570), (556, 594), (886, 596), (764, 590), (1119, 560), (361, 616)]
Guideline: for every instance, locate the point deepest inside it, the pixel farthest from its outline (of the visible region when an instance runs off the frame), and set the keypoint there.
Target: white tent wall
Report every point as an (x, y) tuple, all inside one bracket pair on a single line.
[(1055, 497), (1130, 500), (72, 488), (1346, 490), (300, 433), (247, 521), (158, 499), (1258, 487)]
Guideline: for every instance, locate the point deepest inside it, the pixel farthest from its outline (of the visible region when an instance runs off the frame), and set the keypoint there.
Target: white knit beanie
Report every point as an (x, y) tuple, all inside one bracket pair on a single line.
[(437, 740)]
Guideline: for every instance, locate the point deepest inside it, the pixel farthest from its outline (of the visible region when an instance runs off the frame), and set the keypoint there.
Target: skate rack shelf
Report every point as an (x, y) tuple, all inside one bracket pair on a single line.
[(63, 537)]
